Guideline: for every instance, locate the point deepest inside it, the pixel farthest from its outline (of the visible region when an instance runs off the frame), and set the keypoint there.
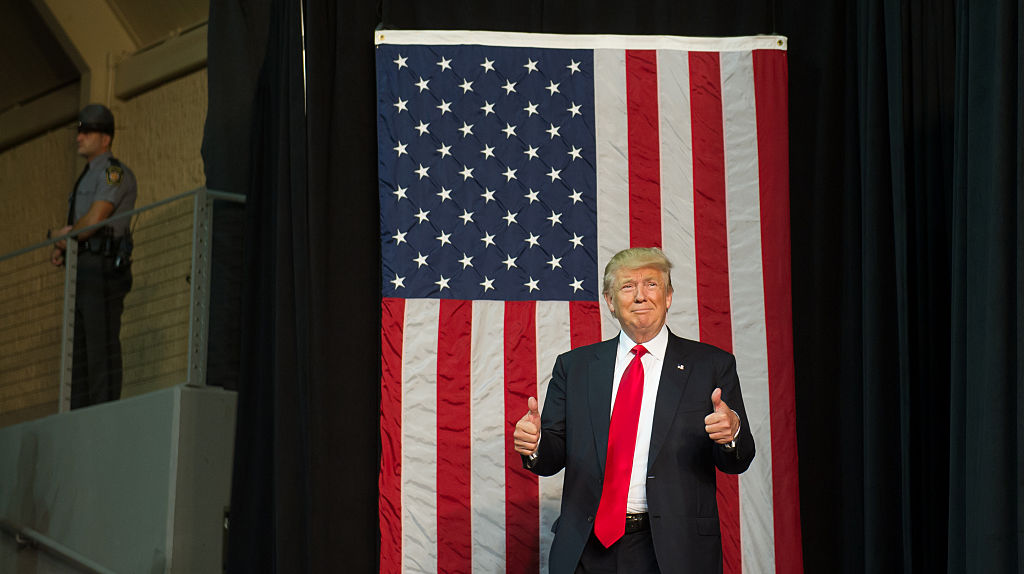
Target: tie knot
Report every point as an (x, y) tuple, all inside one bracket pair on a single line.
[(640, 350)]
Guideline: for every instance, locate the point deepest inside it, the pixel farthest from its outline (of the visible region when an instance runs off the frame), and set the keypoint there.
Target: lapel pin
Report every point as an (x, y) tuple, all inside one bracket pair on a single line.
[(680, 367)]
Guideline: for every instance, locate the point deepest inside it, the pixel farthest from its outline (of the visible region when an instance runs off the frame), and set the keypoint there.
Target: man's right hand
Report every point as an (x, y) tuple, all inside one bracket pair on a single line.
[(527, 433), (57, 257)]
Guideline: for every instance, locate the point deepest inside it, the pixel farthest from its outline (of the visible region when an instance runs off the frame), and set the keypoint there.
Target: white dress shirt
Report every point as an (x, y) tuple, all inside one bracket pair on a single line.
[(652, 361)]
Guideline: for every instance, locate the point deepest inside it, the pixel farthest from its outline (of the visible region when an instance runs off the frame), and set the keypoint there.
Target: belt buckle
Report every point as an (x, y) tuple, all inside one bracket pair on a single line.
[(636, 522)]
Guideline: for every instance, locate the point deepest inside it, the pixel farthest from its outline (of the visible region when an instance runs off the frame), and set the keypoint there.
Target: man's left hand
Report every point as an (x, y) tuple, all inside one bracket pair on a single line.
[(722, 424), (57, 257)]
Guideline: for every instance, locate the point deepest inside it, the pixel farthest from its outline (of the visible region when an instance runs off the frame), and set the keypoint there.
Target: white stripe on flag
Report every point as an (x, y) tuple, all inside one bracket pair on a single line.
[(419, 436), (677, 238), (488, 416), (747, 301), (612, 131), (552, 340)]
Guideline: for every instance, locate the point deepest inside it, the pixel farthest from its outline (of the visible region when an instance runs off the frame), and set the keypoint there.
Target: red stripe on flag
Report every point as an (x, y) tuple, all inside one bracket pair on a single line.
[(392, 313), (770, 83), (644, 149), (584, 323), (712, 253), (522, 506), (454, 451)]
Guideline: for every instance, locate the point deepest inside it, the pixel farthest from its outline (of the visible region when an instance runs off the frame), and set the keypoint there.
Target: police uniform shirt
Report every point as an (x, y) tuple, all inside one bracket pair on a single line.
[(106, 180)]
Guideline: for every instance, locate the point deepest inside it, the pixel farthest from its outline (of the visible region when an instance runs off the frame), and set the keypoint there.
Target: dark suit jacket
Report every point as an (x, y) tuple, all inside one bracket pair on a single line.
[(681, 468)]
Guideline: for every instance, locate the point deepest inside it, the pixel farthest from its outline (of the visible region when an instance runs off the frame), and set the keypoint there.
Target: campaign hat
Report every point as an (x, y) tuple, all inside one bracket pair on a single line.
[(96, 118)]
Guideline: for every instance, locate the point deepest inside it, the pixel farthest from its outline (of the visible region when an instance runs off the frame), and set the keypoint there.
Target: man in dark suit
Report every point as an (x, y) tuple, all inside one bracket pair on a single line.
[(639, 423)]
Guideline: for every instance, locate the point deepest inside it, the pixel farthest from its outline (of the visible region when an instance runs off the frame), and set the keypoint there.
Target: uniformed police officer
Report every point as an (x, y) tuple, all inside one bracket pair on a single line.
[(106, 188)]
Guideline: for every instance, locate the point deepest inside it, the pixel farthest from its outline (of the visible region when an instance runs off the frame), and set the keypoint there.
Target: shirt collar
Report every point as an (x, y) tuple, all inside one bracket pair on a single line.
[(655, 347), (100, 158)]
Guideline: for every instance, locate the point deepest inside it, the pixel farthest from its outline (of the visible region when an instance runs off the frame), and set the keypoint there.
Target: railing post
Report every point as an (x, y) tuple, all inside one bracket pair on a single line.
[(67, 341), (199, 308)]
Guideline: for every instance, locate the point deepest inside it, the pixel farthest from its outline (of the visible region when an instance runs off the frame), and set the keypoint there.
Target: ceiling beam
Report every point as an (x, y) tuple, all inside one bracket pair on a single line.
[(94, 37), (173, 58), (57, 108)]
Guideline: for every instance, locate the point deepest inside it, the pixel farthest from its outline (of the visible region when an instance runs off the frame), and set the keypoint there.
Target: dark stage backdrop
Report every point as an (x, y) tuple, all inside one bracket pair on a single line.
[(906, 158)]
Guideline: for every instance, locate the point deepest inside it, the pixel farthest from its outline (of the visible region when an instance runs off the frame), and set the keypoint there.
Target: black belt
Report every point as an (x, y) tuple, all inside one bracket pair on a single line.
[(637, 522), (106, 245)]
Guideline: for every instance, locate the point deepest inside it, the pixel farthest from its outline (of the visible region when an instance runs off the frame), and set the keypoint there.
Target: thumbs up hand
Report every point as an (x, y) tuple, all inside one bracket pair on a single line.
[(527, 433), (722, 424)]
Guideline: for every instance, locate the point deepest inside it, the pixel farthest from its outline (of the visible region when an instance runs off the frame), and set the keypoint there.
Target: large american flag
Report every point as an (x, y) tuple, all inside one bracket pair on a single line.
[(512, 167)]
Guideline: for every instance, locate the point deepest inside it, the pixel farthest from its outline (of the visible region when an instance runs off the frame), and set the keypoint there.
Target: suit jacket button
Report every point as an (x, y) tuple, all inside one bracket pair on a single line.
[(590, 519)]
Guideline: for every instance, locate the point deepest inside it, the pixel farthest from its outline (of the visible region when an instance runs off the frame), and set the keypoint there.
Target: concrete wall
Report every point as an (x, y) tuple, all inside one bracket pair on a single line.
[(140, 485), (34, 179), (159, 136)]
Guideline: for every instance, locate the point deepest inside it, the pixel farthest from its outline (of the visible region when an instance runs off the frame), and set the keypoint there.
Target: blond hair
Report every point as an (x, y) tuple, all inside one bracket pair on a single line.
[(636, 258)]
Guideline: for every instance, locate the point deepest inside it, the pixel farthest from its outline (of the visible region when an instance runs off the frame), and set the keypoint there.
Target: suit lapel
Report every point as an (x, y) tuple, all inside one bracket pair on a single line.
[(600, 375), (670, 393)]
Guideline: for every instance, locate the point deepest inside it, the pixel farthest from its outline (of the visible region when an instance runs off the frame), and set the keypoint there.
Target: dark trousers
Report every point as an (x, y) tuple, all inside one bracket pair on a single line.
[(96, 371), (632, 554)]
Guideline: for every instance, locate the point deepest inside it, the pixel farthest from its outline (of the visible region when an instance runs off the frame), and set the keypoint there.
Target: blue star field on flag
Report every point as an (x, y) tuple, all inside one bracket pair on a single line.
[(487, 173)]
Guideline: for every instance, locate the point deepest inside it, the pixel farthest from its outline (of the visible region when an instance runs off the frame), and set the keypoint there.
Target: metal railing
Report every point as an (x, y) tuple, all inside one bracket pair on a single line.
[(26, 537), (165, 321)]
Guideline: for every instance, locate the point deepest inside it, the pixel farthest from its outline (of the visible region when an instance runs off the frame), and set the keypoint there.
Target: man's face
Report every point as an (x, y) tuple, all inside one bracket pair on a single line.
[(92, 144), (640, 299)]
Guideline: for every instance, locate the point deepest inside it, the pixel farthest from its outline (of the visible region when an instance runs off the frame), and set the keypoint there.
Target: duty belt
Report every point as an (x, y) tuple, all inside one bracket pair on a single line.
[(105, 245)]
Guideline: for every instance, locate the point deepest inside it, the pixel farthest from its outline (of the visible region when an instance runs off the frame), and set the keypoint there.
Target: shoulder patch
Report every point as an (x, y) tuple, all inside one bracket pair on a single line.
[(114, 174)]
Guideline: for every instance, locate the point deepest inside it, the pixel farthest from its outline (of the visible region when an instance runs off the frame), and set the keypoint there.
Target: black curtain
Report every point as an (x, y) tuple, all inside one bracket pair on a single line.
[(986, 497), (344, 286), (304, 484), (908, 259), (871, 178), (235, 57)]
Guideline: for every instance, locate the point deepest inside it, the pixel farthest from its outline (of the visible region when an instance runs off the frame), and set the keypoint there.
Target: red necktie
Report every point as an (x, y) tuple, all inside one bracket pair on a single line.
[(610, 523)]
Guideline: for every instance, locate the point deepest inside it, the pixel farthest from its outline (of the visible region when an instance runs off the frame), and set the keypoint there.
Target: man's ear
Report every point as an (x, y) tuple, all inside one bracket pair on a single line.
[(611, 306)]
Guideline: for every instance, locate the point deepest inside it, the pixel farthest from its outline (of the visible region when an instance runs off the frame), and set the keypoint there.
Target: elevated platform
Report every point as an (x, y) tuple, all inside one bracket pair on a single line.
[(137, 486)]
